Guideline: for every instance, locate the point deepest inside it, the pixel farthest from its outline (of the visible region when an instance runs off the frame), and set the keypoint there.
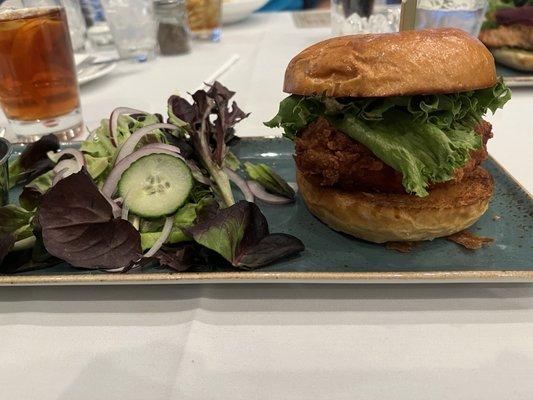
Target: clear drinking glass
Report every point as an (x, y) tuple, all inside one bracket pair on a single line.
[(463, 14), (363, 16), (38, 83), (76, 23), (5, 152), (205, 19), (133, 26)]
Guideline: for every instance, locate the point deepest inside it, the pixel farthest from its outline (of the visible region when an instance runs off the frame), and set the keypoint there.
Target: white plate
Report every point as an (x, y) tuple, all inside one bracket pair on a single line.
[(237, 10), (95, 72)]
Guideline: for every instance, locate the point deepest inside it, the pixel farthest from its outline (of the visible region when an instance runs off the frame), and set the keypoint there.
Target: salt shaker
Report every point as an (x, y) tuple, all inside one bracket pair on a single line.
[(172, 27)]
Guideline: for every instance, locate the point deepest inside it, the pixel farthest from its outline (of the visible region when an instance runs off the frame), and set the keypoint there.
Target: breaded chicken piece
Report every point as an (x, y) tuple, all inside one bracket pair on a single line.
[(520, 36), (328, 157)]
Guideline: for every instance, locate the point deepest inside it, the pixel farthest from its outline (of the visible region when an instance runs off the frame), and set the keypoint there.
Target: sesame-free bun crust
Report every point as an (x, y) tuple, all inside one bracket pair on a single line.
[(392, 64), (380, 217)]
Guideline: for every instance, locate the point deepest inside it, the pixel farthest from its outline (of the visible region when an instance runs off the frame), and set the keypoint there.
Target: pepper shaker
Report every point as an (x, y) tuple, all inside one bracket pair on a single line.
[(172, 27)]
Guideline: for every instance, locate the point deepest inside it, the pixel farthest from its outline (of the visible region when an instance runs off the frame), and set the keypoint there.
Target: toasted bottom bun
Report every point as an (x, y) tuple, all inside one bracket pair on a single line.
[(380, 217), (514, 58)]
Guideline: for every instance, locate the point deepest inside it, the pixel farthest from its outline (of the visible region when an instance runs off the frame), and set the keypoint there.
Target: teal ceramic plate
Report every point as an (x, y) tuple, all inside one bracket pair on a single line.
[(514, 78), (334, 257)]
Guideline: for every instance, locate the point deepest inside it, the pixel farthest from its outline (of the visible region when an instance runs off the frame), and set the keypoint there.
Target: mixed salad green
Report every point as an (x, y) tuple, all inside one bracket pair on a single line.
[(426, 138), (141, 189)]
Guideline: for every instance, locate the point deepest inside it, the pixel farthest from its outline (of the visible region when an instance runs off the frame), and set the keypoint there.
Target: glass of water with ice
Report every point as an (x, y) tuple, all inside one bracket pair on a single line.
[(133, 26), (364, 16), (463, 14)]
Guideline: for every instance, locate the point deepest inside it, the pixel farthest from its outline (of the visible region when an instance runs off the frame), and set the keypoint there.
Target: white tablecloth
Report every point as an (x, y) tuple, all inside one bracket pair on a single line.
[(286, 341)]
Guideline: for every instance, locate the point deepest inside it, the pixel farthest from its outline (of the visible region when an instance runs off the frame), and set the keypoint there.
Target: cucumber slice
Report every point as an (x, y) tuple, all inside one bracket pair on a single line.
[(155, 185)]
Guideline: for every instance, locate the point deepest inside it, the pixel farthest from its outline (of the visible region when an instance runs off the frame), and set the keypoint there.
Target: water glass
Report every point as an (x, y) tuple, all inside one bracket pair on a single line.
[(5, 152), (467, 15), (38, 82), (205, 19), (76, 23), (133, 27), (363, 16)]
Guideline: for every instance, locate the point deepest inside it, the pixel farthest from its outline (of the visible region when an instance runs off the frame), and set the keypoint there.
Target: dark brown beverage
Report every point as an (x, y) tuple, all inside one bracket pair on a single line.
[(37, 72)]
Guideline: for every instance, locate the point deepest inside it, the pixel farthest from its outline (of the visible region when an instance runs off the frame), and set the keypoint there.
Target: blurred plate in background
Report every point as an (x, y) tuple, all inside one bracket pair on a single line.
[(514, 78), (238, 10), (95, 72), (88, 73)]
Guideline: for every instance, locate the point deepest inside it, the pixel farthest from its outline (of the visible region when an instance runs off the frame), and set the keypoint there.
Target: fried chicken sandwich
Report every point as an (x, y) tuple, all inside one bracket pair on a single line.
[(508, 32), (389, 133)]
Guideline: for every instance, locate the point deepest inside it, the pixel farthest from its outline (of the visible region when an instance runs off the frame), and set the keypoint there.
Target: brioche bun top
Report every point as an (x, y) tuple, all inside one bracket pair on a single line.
[(392, 64)]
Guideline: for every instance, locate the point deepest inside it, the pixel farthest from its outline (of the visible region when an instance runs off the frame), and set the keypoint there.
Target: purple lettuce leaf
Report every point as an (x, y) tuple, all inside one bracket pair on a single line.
[(240, 234), (225, 120), (78, 226), (191, 257), (268, 250), (181, 257), (33, 161), (25, 257), (178, 260), (6, 244), (23, 261), (30, 197), (208, 123)]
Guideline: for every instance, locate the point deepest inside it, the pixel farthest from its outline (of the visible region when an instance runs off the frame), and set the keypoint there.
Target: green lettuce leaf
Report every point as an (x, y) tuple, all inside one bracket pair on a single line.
[(184, 218), (33, 192), (33, 161), (148, 239), (43, 182), (269, 179), (16, 221), (231, 161), (100, 152), (99, 144), (426, 138), (96, 166)]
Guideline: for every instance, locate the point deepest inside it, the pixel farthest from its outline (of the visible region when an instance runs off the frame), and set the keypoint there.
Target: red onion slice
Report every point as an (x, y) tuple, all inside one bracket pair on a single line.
[(165, 233), (259, 191), (66, 168), (77, 154), (163, 146), (58, 176), (117, 210), (113, 121), (241, 184), (111, 182), (129, 145), (124, 213)]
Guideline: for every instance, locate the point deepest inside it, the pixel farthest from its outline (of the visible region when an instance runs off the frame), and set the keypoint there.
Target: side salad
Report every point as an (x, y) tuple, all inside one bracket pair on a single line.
[(142, 189)]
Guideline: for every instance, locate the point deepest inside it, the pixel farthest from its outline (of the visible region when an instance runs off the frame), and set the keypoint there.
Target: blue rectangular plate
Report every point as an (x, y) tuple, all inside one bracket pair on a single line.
[(334, 257)]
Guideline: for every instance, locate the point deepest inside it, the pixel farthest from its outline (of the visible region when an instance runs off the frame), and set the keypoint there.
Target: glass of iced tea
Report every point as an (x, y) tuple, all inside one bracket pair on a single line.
[(205, 19), (38, 84)]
